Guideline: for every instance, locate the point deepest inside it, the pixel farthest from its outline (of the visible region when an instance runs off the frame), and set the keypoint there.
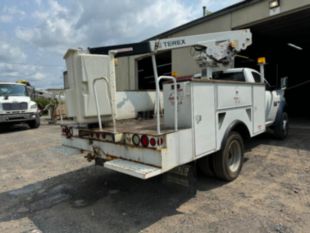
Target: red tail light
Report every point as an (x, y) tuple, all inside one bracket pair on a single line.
[(144, 141), (153, 142)]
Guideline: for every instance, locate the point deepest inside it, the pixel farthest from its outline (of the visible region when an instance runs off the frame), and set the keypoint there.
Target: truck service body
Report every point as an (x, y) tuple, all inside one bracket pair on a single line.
[(207, 116)]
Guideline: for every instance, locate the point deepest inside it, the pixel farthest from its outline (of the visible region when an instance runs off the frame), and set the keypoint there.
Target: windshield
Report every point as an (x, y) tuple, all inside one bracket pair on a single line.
[(229, 76), (12, 90)]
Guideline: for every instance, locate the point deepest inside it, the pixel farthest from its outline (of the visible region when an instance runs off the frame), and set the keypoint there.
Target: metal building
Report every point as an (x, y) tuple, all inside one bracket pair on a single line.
[(281, 33)]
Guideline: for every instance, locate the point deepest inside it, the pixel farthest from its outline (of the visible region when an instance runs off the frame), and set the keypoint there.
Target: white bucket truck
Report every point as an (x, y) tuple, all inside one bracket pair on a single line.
[(210, 114), (16, 105)]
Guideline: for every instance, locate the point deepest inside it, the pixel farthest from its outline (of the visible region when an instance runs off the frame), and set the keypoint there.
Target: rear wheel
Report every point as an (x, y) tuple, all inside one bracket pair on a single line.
[(281, 128), (228, 161)]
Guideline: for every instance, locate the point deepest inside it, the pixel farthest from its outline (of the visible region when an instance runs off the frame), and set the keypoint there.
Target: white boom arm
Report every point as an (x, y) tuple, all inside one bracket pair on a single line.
[(216, 49), (240, 40)]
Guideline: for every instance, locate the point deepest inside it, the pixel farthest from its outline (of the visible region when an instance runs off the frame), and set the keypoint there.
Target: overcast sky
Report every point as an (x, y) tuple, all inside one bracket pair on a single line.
[(34, 34)]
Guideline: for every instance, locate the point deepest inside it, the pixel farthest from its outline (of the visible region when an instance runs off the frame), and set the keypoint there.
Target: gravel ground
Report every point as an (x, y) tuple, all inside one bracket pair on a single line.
[(43, 190)]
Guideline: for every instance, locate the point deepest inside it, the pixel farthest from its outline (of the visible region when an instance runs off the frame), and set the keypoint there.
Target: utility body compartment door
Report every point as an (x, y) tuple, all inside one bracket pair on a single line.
[(259, 109), (203, 96)]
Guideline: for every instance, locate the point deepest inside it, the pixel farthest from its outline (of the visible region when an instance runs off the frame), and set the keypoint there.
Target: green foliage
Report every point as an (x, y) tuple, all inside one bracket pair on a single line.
[(42, 102)]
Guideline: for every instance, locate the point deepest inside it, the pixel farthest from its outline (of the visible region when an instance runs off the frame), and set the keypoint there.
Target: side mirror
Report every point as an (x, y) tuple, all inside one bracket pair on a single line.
[(284, 83)]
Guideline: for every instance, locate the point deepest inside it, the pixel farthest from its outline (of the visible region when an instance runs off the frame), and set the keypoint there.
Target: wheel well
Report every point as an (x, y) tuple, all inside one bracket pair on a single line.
[(242, 129)]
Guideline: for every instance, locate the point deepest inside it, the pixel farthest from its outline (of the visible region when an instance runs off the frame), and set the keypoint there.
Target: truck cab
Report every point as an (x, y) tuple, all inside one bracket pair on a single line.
[(16, 105)]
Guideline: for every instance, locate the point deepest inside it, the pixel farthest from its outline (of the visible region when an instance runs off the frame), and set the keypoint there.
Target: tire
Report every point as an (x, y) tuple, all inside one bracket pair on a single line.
[(228, 161), (281, 128), (35, 123), (205, 165)]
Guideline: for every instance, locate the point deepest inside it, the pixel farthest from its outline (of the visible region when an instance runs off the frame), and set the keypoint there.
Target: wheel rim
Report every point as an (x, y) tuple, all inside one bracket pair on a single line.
[(234, 156)]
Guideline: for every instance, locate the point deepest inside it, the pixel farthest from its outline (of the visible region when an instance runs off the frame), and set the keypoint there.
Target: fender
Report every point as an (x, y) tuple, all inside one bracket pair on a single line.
[(241, 127), (281, 109)]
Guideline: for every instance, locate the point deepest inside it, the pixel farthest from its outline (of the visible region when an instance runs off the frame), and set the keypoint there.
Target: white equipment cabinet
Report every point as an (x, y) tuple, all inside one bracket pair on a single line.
[(83, 69), (208, 107)]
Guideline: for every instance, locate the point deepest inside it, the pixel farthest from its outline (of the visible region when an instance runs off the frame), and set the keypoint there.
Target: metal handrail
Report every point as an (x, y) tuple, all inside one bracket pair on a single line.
[(175, 101), (97, 103)]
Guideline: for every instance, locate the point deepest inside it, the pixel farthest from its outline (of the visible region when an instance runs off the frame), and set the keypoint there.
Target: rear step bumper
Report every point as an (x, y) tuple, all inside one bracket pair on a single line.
[(138, 170)]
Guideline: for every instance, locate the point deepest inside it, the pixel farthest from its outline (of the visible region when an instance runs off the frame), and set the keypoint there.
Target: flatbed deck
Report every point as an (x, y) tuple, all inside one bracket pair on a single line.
[(132, 126)]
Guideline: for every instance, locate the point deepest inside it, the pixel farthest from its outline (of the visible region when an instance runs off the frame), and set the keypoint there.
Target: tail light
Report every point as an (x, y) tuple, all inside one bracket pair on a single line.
[(136, 140), (153, 142), (144, 140), (160, 141)]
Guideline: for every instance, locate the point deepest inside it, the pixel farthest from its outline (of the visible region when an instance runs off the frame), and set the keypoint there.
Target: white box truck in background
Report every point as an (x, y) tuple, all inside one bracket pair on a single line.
[(209, 114), (16, 105)]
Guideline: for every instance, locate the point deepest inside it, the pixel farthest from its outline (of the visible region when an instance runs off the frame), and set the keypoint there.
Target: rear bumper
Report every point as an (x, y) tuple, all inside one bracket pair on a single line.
[(115, 150), (138, 162), (18, 117)]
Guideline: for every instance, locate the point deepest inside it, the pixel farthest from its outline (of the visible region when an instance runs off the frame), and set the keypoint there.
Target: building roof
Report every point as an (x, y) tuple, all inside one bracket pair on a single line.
[(206, 18)]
